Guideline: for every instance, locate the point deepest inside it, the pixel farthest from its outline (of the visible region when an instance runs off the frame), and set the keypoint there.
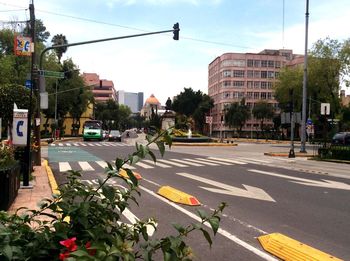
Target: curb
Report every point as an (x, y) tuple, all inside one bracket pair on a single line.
[(51, 177), (286, 154)]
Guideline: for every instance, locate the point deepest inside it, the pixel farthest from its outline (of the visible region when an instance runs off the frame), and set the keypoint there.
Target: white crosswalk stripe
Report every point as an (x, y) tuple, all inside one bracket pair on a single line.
[(172, 163), (64, 166), (82, 144), (158, 164), (145, 166), (202, 161), (52, 144), (215, 161), (68, 144), (76, 144), (103, 164), (85, 166), (188, 163), (98, 144), (229, 160), (60, 144)]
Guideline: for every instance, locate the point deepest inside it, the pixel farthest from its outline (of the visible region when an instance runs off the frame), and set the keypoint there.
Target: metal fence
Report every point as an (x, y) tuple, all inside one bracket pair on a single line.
[(9, 186)]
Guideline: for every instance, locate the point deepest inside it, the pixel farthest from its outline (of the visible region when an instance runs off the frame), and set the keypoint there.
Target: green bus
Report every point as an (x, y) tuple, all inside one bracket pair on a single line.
[(92, 130)]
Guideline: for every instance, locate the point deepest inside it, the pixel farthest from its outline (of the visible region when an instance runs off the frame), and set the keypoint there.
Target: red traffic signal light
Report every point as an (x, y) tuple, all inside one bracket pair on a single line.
[(176, 31)]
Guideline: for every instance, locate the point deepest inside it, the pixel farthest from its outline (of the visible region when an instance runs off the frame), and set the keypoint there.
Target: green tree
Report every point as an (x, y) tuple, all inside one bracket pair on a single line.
[(41, 35), (263, 111), (10, 94), (193, 104), (59, 39), (236, 115)]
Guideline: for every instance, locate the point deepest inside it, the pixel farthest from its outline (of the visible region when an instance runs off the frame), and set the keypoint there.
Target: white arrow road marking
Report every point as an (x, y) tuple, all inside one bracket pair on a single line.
[(248, 192), (324, 183)]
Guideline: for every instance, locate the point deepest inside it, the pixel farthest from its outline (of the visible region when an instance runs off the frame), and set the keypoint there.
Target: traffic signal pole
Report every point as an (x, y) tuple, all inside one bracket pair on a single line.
[(175, 31)]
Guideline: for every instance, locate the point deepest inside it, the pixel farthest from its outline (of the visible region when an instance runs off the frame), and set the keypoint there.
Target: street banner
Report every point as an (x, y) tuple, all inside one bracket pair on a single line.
[(20, 127), (23, 46)]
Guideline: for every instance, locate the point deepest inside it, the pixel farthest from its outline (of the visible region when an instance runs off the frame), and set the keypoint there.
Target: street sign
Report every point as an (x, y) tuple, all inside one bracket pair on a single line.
[(325, 108), (52, 74), (209, 119), (28, 84)]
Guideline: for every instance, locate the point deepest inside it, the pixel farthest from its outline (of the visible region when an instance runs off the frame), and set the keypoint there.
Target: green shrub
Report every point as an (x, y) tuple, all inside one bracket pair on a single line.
[(7, 156), (94, 230)]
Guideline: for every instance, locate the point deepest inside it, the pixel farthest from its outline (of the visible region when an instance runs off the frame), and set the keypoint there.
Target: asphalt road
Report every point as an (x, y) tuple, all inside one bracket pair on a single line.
[(264, 195)]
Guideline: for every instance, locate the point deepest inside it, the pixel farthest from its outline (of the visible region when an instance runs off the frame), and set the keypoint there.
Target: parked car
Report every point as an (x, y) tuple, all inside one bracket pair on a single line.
[(341, 138), (114, 135)]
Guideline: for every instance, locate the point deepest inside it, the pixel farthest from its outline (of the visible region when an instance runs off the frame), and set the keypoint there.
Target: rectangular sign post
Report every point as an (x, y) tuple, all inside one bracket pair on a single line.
[(20, 127)]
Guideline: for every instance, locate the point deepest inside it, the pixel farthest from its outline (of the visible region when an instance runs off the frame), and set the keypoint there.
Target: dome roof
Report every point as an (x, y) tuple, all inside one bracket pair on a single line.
[(152, 100)]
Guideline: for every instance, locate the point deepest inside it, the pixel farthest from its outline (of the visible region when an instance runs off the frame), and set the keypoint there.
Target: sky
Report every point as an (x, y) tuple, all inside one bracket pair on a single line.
[(159, 65)]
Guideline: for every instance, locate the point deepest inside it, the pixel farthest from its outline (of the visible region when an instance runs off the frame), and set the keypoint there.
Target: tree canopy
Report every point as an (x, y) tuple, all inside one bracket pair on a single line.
[(236, 115)]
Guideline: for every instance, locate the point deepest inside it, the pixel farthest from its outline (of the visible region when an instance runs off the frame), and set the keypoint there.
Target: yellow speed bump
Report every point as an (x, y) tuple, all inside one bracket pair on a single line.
[(287, 248), (122, 172), (178, 196)]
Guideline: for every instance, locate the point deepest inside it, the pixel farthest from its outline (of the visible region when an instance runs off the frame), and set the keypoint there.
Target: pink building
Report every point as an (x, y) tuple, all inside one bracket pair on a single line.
[(234, 76), (102, 89)]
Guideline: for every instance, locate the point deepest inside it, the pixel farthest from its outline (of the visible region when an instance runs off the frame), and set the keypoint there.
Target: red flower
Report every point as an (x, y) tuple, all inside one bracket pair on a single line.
[(70, 244), (64, 255), (91, 252)]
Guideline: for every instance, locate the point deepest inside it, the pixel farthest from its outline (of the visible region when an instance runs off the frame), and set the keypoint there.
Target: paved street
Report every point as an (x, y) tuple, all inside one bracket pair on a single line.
[(264, 194)]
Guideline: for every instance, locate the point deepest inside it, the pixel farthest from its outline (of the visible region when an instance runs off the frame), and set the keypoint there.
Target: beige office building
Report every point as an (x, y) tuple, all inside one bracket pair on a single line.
[(234, 76)]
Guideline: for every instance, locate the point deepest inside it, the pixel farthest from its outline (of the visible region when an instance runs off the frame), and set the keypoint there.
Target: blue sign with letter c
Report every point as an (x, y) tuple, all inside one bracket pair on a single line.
[(19, 132)]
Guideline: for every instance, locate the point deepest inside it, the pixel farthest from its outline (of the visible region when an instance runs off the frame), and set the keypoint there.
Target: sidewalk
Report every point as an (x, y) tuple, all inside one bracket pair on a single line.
[(29, 197)]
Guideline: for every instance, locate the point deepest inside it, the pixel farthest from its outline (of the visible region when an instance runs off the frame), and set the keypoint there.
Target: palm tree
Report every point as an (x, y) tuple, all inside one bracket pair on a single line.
[(59, 39)]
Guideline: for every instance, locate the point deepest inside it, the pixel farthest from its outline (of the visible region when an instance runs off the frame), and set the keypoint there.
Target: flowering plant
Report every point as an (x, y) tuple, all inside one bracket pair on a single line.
[(85, 221), (7, 157)]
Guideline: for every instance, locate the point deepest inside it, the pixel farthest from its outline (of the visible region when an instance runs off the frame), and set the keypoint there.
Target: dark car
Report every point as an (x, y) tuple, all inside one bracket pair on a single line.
[(114, 135), (341, 138)]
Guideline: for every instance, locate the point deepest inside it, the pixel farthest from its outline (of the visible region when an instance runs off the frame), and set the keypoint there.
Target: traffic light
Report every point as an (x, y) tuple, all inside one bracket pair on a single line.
[(176, 31), (100, 83)]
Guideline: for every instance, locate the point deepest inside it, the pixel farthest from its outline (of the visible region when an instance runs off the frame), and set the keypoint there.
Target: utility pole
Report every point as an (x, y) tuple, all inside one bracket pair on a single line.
[(28, 158), (303, 118)]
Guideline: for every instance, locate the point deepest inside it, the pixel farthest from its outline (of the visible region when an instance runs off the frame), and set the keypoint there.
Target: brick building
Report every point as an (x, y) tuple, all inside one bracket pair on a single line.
[(102, 89)]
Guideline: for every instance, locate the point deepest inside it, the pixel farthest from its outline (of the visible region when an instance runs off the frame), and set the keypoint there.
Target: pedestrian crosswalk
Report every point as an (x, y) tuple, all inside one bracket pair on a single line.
[(90, 144), (168, 163)]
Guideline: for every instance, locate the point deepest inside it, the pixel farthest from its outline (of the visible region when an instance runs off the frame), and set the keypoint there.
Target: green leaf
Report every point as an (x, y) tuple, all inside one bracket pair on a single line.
[(214, 223), (108, 192), (79, 253), (144, 233), (203, 215), (7, 251), (161, 147), (179, 228), (132, 177), (119, 163), (153, 156), (109, 165), (207, 236)]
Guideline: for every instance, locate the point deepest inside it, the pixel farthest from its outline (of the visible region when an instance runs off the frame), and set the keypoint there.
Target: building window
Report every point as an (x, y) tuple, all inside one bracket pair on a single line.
[(256, 95), (250, 74), (271, 64), (226, 95), (226, 84), (263, 85), (250, 63), (278, 64), (256, 85), (257, 63), (241, 95), (238, 84), (235, 63), (249, 84), (250, 105), (264, 63), (238, 73), (256, 74), (269, 95), (249, 95), (227, 73), (269, 85), (263, 95), (270, 74), (264, 74), (277, 74)]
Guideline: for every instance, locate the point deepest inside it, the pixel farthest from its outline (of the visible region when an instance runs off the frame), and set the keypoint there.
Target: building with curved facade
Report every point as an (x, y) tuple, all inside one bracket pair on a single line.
[(234, 76)]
